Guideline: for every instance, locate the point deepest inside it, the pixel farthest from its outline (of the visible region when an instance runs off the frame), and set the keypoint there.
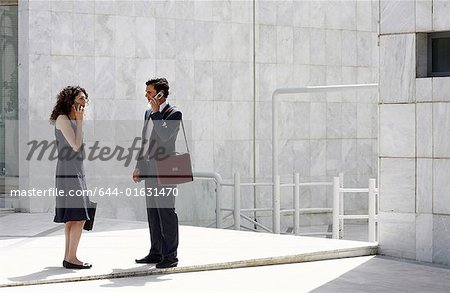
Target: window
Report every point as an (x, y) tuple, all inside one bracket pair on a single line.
[(439, 54)]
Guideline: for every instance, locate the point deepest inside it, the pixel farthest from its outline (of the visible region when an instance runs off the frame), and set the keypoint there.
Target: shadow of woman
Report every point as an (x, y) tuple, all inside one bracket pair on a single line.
[(42, 275)]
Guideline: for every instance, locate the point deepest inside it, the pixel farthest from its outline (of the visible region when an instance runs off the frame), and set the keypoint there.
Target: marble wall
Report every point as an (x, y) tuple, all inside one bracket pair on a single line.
[(223, 59), (414, 153)]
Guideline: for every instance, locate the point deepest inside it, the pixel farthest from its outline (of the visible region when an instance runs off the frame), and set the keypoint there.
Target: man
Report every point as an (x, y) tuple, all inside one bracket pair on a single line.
[(161, 126)]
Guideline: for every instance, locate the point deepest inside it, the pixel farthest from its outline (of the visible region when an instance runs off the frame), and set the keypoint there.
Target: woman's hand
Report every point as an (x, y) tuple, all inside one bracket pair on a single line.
[(79, 112)]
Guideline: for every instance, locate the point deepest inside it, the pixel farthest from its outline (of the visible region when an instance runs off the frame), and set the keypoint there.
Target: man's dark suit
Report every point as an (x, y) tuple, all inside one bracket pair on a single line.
[(162, 218)]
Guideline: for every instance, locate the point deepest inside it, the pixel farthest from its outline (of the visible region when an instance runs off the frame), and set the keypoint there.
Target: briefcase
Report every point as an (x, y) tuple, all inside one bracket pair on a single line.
[(176, 168), (92, 207)]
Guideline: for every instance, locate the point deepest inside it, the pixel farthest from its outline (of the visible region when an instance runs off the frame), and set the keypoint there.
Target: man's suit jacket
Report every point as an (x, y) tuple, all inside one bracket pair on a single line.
[(166, 125)]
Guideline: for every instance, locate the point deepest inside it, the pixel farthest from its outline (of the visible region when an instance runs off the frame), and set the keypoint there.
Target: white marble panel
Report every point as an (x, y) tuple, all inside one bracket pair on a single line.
[(202, 125), (203, 155), (263, 120), (242, 159), (441, 89), (84, 6), (263, 155), (203, 80), (424, 237), (334, 120), (301, 77), (105, 78), (62, 6), (125, 36), (333, 47), (241, 121), (424, 89), (105, 7), (317, 14), (349, 120), (302, 16), (241, 42), (241, 11), (266, 12), (340, 14), (62, 73), (61, 33), (397, 68), (397, 16), (184, 10), (125, 7), (349, 156), (424, 15), (441, 186), (184, 77), (125, 78), (223, 158), (318, 120), (285, 45), (285, 13), (300, 120), (40, 71), (424, 135), (349, 46), (203, 40), (424, 186), (334, 76), (301, 157), (363, 120), (397, 130), (35, 5), (318, 157), (441, 239), (365, 156), (222, 41), (104, 35), (84, 74), (266, 81), (301, 45), (397, 185), (145, 44), (441, 11), (317, 47), (364, 48), (222, 81), (242, 81), (364, 15), (221, 121), (83, 35), (39, 32), (165, 38), (441, 131), (398, 235), (145, 8), (145, 69), (285, 75), (167, 68), (334, 157), (266, 47)]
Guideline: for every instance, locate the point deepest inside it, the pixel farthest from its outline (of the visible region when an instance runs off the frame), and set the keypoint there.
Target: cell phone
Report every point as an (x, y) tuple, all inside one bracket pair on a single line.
[(159, 95)]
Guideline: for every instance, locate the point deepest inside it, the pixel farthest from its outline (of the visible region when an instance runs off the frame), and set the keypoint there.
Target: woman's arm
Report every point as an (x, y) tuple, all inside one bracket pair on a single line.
[(74, 139)]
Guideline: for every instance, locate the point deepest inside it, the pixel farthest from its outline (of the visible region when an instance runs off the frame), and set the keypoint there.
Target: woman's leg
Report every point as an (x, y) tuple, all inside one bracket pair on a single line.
[(75, 235), (67, 233)]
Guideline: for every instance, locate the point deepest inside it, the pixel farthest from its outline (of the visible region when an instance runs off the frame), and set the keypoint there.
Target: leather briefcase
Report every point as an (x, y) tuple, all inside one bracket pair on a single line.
[(176, 168)]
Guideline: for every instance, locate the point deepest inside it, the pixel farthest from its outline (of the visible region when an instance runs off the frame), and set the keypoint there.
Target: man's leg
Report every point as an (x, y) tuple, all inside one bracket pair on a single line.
[(169, 224), (154, 226)]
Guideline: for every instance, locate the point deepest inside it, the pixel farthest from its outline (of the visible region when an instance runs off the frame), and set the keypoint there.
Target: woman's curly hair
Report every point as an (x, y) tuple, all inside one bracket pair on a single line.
[(65, 100)]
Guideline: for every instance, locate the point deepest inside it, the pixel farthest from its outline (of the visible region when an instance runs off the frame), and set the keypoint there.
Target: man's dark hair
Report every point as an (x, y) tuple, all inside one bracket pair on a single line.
[(160, 84)]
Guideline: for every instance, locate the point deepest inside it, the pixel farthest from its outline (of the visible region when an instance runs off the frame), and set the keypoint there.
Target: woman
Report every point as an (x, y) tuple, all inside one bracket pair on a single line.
[(71, 209)]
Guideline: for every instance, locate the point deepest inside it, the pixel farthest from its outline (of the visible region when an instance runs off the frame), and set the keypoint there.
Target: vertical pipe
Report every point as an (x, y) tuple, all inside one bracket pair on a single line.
[(219, 223), (297, 204), (274, 148), (276, 206), (237, 201), (341, 206), (372, 204), (336, 195)]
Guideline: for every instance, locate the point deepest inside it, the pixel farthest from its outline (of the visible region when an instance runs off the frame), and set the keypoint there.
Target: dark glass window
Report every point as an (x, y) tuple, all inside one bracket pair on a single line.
[(439, 54)]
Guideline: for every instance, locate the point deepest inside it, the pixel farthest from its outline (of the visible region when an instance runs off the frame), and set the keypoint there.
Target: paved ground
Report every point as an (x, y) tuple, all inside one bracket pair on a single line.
[(31, 246)]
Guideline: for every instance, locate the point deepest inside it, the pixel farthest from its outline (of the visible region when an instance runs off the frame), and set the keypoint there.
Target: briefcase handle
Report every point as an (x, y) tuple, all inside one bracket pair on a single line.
[(182, 125)]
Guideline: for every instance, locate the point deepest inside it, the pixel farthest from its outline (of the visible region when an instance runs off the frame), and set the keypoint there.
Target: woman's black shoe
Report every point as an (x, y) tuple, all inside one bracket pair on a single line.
[(69, 265)]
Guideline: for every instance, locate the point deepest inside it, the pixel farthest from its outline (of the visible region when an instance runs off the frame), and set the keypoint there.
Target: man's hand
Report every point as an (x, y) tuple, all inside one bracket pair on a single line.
[(136, 176)]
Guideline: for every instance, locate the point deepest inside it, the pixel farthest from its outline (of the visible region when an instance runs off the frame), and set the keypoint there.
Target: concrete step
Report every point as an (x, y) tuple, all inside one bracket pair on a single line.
[(5, 211)]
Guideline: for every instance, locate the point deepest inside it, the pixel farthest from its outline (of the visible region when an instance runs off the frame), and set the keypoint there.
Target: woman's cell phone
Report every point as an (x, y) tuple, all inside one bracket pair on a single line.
[(159, 95)]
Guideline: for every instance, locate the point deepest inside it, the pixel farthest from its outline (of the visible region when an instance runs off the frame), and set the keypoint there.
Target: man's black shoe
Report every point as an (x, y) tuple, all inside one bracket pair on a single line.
[(148, 259), (165, 264)]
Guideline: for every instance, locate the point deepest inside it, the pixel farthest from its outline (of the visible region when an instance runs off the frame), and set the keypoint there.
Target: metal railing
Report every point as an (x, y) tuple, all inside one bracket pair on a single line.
[(337, 210)]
